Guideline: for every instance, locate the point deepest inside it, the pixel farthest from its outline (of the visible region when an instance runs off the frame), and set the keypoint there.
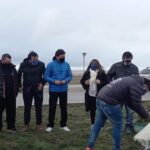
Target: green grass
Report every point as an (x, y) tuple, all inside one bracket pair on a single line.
[(78, 122)]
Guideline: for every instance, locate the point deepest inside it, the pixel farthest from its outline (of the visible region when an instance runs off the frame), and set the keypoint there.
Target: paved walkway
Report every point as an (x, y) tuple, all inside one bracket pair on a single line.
[(75, 95)]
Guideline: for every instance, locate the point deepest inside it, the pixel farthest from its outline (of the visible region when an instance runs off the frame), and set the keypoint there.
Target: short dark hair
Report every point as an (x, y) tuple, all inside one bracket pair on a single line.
[(147, 81), (127, 54), (32, 54), (6, 55), (59, 52)]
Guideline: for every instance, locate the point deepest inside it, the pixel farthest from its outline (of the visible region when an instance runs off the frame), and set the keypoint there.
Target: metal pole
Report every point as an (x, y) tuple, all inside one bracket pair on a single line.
[(83, 54)]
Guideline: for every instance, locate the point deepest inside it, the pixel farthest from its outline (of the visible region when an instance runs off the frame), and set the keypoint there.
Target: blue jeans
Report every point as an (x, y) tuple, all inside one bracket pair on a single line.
[(129, 117), (114, 114)]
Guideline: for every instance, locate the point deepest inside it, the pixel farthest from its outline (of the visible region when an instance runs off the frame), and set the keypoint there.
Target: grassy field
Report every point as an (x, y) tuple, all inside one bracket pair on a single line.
[(79, 124)]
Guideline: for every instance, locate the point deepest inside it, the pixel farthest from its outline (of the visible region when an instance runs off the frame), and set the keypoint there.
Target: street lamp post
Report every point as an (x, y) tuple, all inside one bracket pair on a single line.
[(84, 54)]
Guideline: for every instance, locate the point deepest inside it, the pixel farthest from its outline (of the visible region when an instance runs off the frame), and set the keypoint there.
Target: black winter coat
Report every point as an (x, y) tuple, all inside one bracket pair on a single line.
[(90, 104), (2, 81), (100, 76), (119, 70), (32, 75)]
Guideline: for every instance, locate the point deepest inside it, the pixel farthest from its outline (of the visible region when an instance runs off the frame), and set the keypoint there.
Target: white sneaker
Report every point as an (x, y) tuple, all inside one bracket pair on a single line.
[(65, 129), (49, 129)]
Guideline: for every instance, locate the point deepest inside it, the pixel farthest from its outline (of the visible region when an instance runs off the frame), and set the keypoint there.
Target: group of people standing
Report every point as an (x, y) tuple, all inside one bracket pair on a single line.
[(95, 78), (105, 93), (122, 87), (30, 80)]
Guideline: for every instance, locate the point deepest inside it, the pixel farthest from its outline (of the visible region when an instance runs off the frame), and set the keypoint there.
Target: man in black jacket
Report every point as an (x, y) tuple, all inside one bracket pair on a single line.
[(123, 69), (8, 91), (33, 82), (127, 90)]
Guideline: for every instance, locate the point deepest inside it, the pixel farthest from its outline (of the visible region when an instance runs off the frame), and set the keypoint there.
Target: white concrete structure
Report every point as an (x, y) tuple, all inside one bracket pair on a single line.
[(143, 137)]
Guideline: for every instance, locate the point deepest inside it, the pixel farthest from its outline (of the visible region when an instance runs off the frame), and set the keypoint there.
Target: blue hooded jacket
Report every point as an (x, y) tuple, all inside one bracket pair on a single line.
[(58, 71)]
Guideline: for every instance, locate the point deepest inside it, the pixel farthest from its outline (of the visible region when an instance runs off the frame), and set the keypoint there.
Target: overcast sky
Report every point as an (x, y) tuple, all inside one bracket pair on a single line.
[(104, 29)]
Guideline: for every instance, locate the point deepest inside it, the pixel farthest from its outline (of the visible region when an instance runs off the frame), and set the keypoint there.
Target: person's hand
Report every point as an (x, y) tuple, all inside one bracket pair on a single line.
[(148, 119), (57, 82), (98, 81), (40, 86), (20, 90), (63, 81), (87, 82)]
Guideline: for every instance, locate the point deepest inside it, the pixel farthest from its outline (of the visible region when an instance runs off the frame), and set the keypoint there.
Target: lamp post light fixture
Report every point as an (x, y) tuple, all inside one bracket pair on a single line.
[(84, 54)]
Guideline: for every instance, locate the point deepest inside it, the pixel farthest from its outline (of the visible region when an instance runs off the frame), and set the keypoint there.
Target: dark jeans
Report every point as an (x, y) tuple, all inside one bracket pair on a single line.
[(8, 103), (114, 114), (129, 117), (52, 108), (28, 94)]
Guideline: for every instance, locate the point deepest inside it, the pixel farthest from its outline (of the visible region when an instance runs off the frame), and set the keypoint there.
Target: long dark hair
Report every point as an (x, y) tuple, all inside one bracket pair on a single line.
[(99, 66)]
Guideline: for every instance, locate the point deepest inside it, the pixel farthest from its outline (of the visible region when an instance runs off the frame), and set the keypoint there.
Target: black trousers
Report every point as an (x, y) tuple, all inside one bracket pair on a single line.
[(63, 107), (90, 105), (28, 94), (8, 103)]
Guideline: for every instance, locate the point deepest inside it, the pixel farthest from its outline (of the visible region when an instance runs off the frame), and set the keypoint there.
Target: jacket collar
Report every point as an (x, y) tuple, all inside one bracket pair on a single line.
[(10, 63)]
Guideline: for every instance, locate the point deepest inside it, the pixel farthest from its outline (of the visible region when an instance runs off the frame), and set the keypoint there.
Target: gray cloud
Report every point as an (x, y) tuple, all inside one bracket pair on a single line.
[(103, 29)]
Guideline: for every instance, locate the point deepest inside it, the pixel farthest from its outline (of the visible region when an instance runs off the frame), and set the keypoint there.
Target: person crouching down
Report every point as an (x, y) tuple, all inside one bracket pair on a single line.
[(8, 92), (126, 90), (58, 74)]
